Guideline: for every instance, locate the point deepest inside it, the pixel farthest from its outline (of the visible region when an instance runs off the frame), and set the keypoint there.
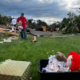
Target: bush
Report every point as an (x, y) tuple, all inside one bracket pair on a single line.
[(5, 19)]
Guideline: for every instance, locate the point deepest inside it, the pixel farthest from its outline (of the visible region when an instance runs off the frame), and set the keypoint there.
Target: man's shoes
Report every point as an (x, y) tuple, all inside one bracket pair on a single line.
[(25, 38)]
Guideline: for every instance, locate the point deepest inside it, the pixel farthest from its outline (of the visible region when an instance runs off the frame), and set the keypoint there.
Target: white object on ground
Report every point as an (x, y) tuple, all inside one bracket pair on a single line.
[(1, 42), (7, 40), (12, 29), (38, 35)]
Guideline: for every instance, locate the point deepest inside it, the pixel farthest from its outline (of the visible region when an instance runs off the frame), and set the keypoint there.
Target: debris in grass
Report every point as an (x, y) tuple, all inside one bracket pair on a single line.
[(7, 40), (1, 41), (13, 37)]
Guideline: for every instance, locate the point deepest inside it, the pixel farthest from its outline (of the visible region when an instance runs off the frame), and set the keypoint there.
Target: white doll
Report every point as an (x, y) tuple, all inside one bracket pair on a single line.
[(19, 26), (56, 63)]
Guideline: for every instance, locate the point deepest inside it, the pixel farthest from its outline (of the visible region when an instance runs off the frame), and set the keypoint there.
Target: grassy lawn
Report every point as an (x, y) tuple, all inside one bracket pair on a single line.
[(24, 50), (58, 35)]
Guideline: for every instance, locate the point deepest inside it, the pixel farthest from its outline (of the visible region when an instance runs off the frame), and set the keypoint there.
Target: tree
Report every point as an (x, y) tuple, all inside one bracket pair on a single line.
[(9, 18), (36, 24), (4, 19), (30, 22), (69, 24)]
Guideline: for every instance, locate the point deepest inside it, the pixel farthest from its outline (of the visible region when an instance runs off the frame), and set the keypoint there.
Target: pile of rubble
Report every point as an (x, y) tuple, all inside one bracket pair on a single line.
[(3, 26), (9, 39), (45, 29), (10, 30)]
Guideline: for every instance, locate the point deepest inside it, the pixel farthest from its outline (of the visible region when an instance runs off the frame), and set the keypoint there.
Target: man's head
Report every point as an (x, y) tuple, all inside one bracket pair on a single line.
[(13, 18), (22, 15), (60, 56)]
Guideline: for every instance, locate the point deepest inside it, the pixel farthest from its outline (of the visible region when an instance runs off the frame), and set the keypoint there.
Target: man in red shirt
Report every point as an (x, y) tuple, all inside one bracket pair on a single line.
[(24, 22)]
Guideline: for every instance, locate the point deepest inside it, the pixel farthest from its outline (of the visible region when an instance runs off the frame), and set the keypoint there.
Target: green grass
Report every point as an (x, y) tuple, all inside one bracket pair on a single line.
[(58, 35), (24, 50)]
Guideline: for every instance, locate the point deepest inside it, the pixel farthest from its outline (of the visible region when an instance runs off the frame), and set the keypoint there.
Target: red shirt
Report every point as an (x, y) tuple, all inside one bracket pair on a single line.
[(23, 21)]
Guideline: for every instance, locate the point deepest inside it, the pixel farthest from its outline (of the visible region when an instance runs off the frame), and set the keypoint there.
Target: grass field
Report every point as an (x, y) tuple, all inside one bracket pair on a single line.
[(24, 50)]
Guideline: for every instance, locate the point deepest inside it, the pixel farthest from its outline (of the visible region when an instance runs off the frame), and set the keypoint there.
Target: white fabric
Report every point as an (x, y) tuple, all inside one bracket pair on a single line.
[(54, 65), (69, 61), (20, 28), (14, 21)]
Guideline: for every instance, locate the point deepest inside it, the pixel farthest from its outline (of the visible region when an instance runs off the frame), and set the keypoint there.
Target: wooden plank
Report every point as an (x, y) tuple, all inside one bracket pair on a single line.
[(5, 29), (3, 26), (10, 33)]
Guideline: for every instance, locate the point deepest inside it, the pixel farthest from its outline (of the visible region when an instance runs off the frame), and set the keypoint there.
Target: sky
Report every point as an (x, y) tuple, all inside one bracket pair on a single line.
[(49, 11)]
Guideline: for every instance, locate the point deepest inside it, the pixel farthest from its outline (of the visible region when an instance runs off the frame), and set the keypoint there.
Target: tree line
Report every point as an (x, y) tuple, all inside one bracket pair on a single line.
[(36, 24), (31, 23), (4, 19), (71, 24)]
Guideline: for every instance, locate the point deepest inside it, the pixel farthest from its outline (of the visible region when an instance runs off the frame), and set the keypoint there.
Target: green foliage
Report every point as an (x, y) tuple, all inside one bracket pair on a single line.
[(62, 26), (71, 24), (9, 18), (30, 21), (22, 50), (5, 19), (45, 24), (6, 34), (35, 25)]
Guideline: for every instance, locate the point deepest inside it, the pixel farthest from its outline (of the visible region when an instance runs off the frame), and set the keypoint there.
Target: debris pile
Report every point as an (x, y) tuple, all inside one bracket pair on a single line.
[(9, 39), (9, 30), (9, 33), (5, 27)]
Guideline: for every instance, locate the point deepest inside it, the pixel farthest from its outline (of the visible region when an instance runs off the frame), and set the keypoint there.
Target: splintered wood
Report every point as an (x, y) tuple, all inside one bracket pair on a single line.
[(4, 29), (10, 33), (3, 26)]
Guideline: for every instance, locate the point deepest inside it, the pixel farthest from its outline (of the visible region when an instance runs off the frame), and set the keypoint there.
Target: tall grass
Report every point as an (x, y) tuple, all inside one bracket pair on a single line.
[(24, 50)]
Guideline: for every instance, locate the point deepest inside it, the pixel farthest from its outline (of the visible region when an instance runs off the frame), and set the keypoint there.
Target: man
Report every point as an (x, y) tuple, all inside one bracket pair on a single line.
[(14, 23), (24, 22)]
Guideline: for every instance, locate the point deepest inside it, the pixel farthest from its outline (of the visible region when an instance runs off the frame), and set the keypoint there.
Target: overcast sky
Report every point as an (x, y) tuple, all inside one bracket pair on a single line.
[(46, 10)]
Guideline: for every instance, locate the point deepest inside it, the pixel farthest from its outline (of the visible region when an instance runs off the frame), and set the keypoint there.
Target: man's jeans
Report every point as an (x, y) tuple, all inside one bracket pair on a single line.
[(23, 34)]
